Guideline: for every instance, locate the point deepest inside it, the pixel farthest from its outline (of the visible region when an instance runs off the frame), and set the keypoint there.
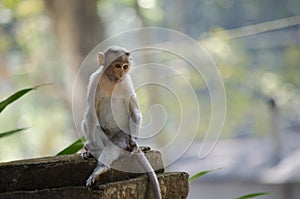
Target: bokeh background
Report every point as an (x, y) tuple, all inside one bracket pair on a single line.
[(255, 44)]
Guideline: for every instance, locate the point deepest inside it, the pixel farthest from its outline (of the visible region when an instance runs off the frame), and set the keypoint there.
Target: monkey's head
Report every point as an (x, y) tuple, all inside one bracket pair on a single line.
[(116, 61)]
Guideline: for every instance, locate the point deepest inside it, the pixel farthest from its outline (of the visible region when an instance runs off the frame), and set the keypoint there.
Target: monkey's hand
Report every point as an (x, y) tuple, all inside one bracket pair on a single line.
[(132, 145)]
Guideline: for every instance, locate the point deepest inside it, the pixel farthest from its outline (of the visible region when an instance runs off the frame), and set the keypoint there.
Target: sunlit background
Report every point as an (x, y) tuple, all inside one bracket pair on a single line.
[(255, 44)]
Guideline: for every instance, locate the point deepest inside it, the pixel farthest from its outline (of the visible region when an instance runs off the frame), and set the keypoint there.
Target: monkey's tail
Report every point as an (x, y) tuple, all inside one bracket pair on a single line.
[(153, 187)]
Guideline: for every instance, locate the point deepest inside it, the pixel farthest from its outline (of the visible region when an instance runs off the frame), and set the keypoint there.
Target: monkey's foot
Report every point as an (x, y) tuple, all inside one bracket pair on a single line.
[(100, 169), (90, 181), (86, 155)]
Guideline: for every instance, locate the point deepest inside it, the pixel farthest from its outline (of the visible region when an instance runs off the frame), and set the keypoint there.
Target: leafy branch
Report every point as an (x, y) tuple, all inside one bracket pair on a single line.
[(10, 100)]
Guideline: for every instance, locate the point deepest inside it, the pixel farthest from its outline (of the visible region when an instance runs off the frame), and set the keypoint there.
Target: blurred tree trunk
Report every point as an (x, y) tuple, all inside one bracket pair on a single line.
[(77, 26), (153, 93), (78, 30)]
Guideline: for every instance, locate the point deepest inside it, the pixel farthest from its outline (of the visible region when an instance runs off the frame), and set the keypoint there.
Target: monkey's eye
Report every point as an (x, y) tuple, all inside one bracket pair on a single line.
[(118, 66), (125, 67)]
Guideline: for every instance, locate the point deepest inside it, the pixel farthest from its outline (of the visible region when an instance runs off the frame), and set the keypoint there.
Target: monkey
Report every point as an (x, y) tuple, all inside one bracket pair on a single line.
[(112, 118)]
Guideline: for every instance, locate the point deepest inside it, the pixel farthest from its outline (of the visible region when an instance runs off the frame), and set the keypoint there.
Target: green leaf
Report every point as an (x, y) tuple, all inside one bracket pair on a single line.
[(14, 97), (198, 175), (253, 195), (73, 148), (17, 95), (8, 133)]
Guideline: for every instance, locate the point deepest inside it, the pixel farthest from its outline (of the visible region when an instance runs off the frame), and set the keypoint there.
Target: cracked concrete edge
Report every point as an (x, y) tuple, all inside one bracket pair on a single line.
[(62, 171), (173, 185)]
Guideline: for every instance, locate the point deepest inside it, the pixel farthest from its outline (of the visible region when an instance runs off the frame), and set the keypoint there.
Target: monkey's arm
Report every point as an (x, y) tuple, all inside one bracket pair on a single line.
[(90, 118), (135, 119)]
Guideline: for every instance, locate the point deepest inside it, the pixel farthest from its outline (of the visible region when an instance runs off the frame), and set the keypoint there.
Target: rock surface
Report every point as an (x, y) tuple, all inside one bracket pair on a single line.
[(173, 185), (65, 177)]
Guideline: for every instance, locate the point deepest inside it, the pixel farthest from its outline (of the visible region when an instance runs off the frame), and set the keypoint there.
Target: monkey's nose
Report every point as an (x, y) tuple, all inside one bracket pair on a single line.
[(118, 77)]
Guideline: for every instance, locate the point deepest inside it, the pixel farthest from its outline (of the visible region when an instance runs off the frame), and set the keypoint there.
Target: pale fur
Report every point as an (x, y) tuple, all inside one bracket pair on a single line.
[(112, 107)]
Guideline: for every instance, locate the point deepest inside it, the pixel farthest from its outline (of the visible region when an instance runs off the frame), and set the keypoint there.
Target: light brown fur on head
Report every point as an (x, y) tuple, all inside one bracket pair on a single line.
[(117, 70), (116, 61)]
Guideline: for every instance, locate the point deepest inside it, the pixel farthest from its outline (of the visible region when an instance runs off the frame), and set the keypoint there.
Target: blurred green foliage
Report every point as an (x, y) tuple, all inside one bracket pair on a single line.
[(253, 195), (74, 147), (28, 56), (202, 173), (8, 101)]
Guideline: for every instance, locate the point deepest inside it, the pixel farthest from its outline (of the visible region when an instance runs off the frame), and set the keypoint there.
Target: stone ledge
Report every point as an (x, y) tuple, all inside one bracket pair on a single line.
[(63, 171), (65, 177), (173, 185)]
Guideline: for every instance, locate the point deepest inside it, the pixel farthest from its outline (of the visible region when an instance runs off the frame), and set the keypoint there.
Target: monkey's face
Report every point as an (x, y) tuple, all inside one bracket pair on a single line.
[(117, 70)]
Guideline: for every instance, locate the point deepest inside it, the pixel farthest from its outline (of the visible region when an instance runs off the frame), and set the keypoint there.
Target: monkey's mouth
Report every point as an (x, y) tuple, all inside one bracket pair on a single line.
[(116, 79)]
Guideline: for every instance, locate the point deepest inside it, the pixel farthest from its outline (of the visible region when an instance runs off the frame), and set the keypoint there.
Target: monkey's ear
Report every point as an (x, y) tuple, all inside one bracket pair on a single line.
[(100, 58)]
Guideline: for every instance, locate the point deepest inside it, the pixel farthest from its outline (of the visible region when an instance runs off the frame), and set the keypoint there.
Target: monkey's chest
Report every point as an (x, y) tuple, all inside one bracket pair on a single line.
[(113, 114)]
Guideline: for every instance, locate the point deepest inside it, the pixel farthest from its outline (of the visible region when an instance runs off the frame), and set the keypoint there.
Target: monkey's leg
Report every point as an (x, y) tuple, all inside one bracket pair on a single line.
[(94, 149), (109, 154), (100, 169), (91, 151)]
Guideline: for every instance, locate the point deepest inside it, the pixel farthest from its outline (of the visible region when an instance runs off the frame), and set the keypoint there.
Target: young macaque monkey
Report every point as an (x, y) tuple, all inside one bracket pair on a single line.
[(112, 118)]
